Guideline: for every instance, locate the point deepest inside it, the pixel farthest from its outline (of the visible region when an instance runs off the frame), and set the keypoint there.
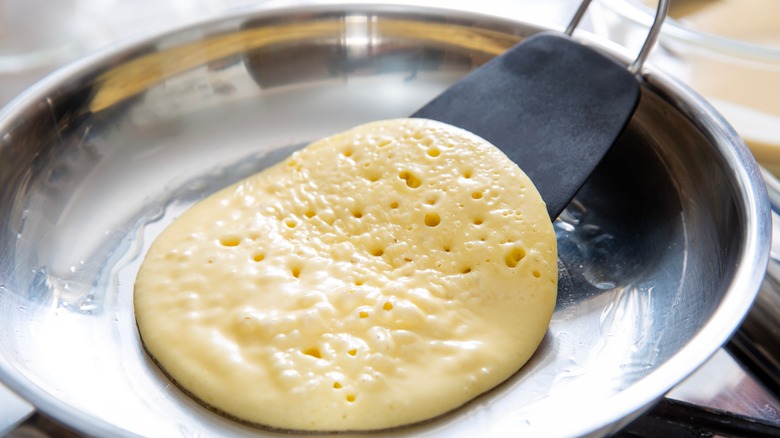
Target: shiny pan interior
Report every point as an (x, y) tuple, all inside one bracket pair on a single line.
[(661, 253)]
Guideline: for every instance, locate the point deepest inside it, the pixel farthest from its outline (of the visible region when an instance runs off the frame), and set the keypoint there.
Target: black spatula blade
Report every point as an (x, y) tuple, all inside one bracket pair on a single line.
[(551, 104)]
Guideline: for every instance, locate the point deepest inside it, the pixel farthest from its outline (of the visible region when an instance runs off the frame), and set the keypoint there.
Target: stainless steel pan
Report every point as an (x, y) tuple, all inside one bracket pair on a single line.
[(661, 253)]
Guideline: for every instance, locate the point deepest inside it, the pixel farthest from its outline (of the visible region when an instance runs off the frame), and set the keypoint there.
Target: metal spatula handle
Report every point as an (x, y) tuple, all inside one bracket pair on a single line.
[(652, 35)]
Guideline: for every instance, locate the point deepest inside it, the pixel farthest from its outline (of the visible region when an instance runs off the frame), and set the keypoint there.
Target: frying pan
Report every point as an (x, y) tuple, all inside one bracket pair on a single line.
[(662, 251)]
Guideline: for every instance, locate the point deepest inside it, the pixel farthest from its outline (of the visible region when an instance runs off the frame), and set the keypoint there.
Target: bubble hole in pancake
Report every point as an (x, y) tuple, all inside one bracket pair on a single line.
[(376, 278)]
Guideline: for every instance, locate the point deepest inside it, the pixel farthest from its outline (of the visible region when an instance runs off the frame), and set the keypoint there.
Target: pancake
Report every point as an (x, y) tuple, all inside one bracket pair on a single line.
[(376, 278)]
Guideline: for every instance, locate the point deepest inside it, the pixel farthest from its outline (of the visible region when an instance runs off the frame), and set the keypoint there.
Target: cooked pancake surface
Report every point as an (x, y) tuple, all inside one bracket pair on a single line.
[(379, 277)]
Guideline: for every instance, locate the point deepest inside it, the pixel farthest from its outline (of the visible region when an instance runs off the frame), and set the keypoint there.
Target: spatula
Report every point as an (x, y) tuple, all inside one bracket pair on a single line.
[(553, 105)]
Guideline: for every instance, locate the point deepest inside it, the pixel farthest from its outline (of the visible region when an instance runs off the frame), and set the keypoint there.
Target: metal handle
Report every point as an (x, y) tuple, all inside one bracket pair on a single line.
[(652, 35)]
